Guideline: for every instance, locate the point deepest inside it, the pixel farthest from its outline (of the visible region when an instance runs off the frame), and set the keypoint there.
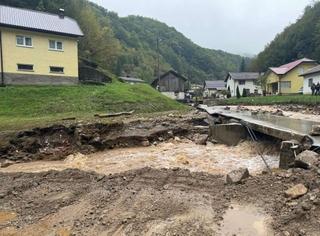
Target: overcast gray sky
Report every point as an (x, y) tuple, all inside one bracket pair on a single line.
[(238, 26)]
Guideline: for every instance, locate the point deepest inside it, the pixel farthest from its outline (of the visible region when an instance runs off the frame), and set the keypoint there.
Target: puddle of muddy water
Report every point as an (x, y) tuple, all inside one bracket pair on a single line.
[(245, 221)]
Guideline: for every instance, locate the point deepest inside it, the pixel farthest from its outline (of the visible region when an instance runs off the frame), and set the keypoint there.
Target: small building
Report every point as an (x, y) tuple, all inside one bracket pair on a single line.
[(214, 88), (172, 84), (311, 76), (245, 81), (131, 80), (286, 79), (38, 47)]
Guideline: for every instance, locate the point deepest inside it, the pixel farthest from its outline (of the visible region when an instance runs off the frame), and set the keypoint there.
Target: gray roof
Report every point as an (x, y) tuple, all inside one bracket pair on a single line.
[(38, 21), (244, 75), (131, 80), (311, 71), (215, 84)]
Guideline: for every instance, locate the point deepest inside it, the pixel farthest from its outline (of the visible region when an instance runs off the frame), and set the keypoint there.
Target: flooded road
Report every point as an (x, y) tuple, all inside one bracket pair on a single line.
[(214, 159)]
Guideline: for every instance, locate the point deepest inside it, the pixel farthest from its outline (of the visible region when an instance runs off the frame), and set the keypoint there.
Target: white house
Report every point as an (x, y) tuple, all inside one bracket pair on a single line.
[(311, 76), (213, 88), (243, 80)]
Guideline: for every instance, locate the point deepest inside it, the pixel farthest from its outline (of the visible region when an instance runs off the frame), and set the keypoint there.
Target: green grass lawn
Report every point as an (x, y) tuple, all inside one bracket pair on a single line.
[(273, 100), (31, 105)]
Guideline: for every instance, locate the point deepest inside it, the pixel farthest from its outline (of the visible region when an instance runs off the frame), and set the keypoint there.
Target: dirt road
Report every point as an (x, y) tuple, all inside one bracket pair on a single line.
[(153, 202)]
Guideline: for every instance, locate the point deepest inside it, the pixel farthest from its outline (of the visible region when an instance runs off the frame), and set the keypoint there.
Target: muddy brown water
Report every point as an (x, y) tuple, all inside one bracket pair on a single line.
[(245, 220), (214, 159)]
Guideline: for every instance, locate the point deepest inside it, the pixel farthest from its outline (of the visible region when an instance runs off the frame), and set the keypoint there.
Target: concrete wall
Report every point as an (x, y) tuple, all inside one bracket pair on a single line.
[(24, 79), (314, 77), (39, 55)]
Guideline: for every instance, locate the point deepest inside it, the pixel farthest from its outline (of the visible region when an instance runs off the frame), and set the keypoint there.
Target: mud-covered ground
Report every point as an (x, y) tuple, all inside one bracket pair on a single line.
[(118, 185), (150, 202)]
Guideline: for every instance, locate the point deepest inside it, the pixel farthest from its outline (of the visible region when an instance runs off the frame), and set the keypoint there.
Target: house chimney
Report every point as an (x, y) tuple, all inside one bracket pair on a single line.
[(61, 13)]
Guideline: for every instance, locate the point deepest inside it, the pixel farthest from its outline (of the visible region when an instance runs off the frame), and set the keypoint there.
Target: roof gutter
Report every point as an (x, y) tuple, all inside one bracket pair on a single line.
[(1, 64)]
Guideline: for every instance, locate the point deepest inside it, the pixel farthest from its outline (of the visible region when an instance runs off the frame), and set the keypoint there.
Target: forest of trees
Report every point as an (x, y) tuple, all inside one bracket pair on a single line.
[(128, 45), (299, 40)]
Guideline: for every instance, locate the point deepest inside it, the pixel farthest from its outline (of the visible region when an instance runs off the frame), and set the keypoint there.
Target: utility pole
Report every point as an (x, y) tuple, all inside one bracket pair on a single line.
[(1, 58), (158, 66)]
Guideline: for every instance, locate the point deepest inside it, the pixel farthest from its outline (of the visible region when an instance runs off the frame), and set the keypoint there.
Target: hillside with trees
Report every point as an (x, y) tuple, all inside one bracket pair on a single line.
[(128, 45), (301, 39)]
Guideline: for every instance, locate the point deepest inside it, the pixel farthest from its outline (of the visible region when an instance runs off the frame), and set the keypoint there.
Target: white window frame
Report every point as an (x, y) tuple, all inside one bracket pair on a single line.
[(286, 84), (24, 41), (310, 82), (56, 45)]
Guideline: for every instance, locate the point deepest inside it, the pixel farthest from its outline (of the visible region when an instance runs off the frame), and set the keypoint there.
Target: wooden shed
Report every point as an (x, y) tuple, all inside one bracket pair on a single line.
[(172, 84)]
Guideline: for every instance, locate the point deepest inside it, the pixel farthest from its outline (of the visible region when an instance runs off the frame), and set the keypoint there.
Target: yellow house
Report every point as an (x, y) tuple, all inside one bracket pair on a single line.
[(286, 79), (38, 47)]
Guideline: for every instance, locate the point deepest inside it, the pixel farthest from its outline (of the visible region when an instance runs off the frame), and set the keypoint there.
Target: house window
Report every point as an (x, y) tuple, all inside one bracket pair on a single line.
[(310, 83), (56, 69), (25, 67), (55, 45), (23, 41), (242, 82), (286, 84)]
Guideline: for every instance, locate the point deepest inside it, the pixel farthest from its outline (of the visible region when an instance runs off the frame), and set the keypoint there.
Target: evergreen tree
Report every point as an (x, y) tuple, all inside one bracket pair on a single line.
[(238, 92), (244, 93), (229, 92)]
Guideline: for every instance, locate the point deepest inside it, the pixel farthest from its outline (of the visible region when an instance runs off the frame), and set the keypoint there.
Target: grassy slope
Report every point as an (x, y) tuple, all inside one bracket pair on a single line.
[(273, 100), (29, 105)]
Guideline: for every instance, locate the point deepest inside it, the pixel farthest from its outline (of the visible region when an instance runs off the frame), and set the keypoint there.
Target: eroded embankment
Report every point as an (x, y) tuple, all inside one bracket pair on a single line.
[(149, 202), (58, 141)]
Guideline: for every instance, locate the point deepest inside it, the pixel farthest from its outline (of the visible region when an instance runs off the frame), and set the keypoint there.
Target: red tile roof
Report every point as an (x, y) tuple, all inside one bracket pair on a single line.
[(284, 69)]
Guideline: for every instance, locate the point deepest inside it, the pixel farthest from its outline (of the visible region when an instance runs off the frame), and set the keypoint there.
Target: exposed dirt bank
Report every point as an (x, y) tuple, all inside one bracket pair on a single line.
[(150, 202), (59, 141), (212, 158)]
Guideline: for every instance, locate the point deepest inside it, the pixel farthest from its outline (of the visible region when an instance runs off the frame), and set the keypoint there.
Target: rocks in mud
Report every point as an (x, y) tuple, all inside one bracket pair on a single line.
[(315, 130), (306, 159), (237, 176), (278, 112), (201, 139), (145, 143), (296, 191), (6, 163)]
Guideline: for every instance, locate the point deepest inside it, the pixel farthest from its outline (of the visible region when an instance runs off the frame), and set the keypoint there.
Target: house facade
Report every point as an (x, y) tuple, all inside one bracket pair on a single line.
[(311, 76), (172, 84), (245, 81), (213, 88), (286, 79), (38, 47)]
